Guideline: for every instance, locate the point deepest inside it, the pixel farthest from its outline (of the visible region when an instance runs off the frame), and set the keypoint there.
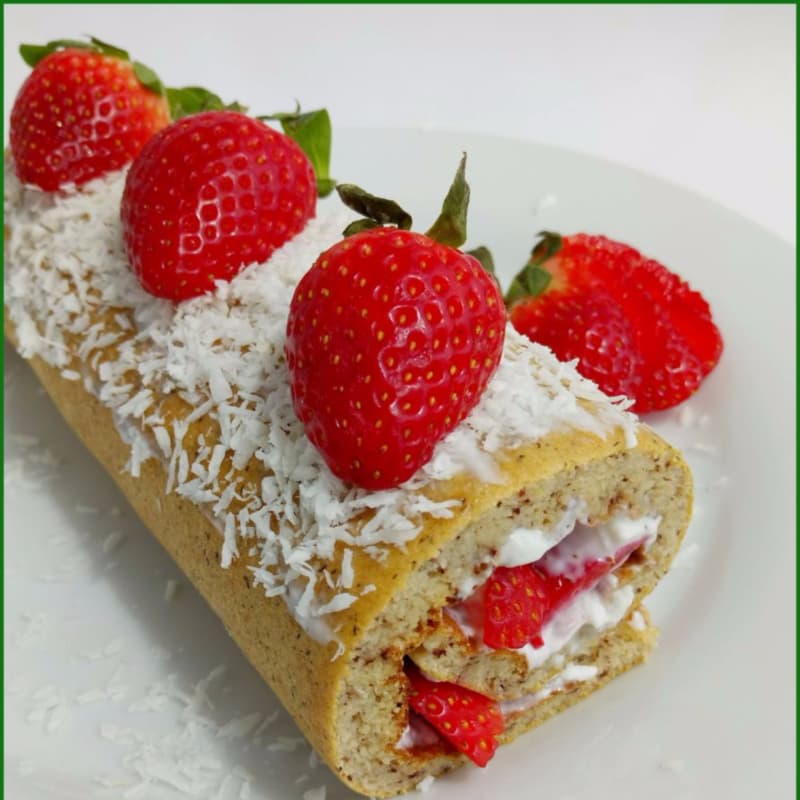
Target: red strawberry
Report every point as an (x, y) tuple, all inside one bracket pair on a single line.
[(468, 720), (636, 328), (589, 326), (519, 601), (80, 114), (391, 340), (209, 195), (515, 606)]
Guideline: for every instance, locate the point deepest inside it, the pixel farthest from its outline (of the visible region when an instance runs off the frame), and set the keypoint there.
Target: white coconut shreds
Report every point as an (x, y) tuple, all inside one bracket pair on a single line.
[(222, 355)]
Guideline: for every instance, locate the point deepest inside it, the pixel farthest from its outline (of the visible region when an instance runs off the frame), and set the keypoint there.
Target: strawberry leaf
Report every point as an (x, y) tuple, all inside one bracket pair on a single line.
[(32, 54), (109, 49), (325, 186), (549, 245), (312, 131), (360, 225), (377, 210), (184, 101), (484, 256), (533, 279), (450, 227), (148, 78), (194, 99)]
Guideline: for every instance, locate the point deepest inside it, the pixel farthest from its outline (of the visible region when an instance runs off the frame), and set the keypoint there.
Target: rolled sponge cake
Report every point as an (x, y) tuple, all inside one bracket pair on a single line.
[(331, 591)]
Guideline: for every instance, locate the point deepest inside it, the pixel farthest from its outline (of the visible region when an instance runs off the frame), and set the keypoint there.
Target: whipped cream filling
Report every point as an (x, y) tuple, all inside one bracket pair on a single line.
[(529, 545), (569, 630), (573, 626), (223, 355), (418, 733), (572, 673), (564, 549), (590, 543)]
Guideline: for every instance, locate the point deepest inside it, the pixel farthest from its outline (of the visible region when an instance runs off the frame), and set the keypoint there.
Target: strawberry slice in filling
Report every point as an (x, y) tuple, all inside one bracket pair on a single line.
[(468, 720), (519, 603), (510, 611)]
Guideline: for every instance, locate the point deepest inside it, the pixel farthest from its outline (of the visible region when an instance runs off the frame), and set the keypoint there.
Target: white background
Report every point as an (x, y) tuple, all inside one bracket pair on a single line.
[(701, 96)]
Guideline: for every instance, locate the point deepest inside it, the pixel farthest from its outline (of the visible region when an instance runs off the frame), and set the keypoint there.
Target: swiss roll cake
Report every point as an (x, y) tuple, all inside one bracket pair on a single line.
[(406, 630)]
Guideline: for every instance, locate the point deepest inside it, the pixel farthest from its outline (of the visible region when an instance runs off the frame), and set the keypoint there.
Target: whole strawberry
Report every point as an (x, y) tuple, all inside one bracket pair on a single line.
[(208, 195), (392, 338), (83, 111), (635, 327)]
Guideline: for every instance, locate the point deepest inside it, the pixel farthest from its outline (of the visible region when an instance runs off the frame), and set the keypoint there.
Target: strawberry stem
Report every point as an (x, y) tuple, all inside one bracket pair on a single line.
[(450, 227), (533, 279)]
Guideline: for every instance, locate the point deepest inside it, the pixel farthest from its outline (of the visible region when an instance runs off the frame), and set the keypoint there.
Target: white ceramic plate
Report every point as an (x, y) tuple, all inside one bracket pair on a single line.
[(108, 680)]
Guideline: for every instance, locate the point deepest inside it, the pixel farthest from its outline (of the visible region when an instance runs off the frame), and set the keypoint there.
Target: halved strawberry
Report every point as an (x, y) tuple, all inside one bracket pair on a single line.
[(468, 720), (635, 327)]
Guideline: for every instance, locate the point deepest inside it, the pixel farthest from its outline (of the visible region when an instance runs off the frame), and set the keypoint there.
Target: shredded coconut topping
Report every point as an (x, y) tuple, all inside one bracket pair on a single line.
[(203, 387)]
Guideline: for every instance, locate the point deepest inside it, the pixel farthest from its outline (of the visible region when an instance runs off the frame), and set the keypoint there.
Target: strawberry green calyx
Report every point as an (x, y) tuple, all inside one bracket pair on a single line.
[(32, 54), (312, 131), (450, 227), (194, 100), (484, 256), (182, 102), (377, 211), (533, 279)]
